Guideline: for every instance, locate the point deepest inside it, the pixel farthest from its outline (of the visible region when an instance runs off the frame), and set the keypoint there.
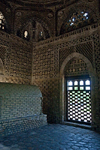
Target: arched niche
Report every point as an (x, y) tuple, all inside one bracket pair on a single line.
[(34, 29), (91, 73)]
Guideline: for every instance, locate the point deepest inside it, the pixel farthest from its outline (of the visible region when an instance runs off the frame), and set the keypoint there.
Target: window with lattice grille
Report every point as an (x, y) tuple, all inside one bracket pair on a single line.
[(79, 100), (76, 20)]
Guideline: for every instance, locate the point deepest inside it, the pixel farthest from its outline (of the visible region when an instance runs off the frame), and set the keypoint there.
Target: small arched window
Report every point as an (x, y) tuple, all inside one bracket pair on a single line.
[(26, 35), (2, 22)]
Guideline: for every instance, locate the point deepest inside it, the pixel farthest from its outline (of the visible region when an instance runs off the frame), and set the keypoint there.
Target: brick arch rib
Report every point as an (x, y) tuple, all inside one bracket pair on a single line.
[(77, 55)]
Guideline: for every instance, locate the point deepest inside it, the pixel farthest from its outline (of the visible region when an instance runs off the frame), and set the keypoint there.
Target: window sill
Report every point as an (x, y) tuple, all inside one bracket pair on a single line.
[(84, 126)]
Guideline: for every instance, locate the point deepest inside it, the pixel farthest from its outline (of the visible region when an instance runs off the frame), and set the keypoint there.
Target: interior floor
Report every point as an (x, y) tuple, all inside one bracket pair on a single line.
[(52, 137)]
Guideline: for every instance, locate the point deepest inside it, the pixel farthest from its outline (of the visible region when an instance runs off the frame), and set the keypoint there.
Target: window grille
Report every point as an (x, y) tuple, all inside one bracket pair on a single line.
[(79, 100), (77, 20)]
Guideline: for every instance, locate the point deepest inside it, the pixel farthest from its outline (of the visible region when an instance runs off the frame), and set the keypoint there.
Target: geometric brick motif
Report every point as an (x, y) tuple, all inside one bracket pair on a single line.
[(97, 51), (45, 63), (64, 52), (50, 92), (83, 46), (86, 49), (76, 67)]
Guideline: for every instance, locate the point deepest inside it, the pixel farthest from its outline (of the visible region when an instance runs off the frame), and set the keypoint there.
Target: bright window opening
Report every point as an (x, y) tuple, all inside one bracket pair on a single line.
[(81, 83), (75, 82), (70, 83), (25, 34), (79, 100), (87, 82)]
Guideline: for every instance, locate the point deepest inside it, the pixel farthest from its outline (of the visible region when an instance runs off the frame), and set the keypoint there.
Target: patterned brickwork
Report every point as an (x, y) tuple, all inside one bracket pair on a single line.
[(97, 52), (84, 48), (20, 64), (97, 68), (76, 67), (17, 58), (63, 53), (45, 63), (50, 89)]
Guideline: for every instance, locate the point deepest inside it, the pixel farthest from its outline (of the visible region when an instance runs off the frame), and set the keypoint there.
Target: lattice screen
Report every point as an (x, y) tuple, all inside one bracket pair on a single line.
[(77, 20), (79, 100)]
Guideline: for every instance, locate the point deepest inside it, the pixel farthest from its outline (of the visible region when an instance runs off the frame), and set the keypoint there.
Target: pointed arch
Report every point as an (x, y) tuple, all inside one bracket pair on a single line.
[(91, 72)]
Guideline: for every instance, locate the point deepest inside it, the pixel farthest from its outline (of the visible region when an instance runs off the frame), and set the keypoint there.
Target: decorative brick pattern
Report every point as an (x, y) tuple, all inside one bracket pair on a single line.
[(20, 64), (50, 89), (76, 67), (85, 48), (97, 52), (45, 63), (16, 55), (64, 52)]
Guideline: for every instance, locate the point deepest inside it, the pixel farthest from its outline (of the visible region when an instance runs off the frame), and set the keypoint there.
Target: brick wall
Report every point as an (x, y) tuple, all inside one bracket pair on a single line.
[(16, 55)]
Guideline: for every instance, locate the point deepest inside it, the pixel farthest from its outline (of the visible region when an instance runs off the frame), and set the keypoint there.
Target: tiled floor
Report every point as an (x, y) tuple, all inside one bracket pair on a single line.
[(52, 137)]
